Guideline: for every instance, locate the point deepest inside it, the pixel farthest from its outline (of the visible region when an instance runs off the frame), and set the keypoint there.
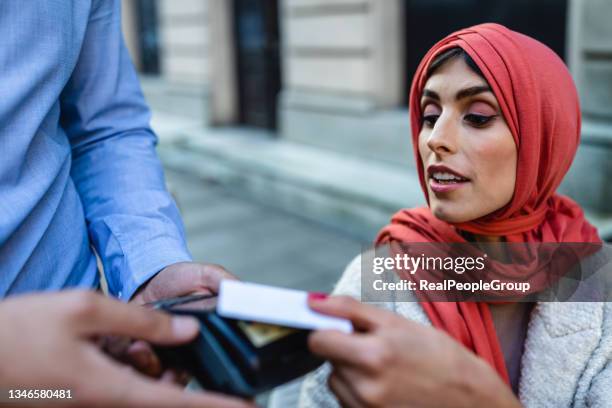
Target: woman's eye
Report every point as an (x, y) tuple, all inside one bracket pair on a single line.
[(478, 120), (430, 120)]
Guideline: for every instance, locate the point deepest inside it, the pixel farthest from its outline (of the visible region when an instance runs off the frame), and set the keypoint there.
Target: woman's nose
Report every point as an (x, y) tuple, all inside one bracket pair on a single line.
[(442, 139)]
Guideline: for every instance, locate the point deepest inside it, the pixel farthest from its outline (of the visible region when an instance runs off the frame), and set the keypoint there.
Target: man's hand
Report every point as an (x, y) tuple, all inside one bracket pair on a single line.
[(179, 279), (183, 278), (393, 362), (48, 342)]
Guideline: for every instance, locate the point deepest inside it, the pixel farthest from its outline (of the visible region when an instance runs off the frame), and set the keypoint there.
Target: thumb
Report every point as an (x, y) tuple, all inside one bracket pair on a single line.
[(100, 315), (364, 317)]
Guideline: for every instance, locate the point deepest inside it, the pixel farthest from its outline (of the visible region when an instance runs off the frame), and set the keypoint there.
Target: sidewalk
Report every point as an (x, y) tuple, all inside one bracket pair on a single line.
[(259, 243)]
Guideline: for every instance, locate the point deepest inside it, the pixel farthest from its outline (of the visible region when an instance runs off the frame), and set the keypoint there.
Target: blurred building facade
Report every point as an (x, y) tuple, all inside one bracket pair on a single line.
[(334, 74)]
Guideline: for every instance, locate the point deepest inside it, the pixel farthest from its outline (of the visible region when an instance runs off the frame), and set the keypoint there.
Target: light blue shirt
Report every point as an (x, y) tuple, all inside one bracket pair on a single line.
[(77, 156)]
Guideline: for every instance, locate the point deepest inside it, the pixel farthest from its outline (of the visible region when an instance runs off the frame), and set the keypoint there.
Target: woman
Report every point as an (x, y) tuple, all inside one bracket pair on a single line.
[(495, 122)]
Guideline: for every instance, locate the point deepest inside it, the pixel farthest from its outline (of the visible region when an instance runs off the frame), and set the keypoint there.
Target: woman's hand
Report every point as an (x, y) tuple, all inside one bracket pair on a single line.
[(391, 361)]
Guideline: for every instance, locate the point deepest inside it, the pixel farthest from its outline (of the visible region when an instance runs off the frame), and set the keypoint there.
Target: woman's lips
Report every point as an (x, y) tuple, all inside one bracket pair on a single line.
[(438, 187), (443, 179)]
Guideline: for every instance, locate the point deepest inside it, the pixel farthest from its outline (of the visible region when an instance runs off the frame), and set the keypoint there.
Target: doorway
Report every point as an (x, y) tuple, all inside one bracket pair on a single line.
[(258, 61), (148, 38)]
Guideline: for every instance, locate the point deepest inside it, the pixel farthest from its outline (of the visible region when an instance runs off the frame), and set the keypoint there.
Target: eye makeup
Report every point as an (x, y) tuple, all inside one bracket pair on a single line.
[(482, 109), (480, 114), (431, 112)]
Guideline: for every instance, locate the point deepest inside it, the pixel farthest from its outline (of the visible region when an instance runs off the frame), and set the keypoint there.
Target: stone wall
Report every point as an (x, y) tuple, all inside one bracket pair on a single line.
[(343, 48), (590, 58), (343, 76), (197, 58), (329, 47), (184, 41)]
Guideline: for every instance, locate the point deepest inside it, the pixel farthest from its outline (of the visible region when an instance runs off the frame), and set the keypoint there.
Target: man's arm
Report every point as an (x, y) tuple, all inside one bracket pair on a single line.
[(133, 221)]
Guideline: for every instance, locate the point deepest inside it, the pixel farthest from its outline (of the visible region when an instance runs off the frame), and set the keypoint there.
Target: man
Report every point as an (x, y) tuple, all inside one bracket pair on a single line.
[(78, 168), (78, 165)]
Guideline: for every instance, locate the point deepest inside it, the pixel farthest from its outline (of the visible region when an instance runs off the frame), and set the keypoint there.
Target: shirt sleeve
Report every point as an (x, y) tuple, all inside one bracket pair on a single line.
[(132, 220)]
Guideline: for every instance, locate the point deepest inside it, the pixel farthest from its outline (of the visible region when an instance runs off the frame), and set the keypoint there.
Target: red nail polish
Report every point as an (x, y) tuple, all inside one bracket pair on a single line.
[(317, 296)]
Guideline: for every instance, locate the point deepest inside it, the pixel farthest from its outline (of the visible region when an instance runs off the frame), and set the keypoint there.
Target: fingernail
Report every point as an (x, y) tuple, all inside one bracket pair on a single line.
[(317, 296), (184, 326)]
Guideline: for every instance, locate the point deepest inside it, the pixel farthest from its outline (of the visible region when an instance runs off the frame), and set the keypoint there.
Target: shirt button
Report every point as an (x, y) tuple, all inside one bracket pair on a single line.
[(120, 293)]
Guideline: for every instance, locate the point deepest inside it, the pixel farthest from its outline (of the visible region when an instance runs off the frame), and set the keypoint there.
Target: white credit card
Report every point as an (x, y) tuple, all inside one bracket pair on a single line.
[(273, 305)]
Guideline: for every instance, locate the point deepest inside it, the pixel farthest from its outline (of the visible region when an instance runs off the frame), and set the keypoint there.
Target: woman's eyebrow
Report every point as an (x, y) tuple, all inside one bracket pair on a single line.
[(464, 93), (431, 94), (471, 91)]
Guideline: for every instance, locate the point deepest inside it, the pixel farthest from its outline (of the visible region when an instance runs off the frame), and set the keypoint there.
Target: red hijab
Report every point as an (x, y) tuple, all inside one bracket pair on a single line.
[(538, 99)]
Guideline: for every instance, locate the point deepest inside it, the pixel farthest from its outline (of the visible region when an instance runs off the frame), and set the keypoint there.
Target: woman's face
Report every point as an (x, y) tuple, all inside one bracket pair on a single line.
[(468, 152)]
